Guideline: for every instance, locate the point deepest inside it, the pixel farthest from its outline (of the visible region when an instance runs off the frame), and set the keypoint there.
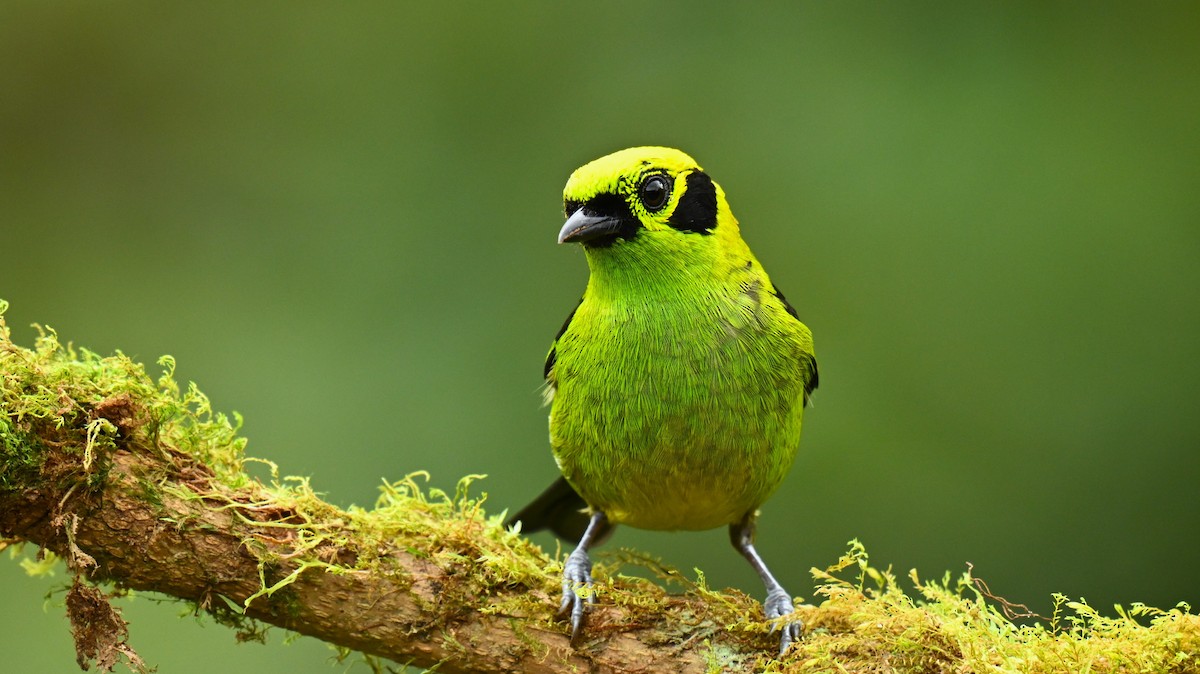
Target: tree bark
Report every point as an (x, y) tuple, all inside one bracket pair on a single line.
[(151, 518), (135, 484)]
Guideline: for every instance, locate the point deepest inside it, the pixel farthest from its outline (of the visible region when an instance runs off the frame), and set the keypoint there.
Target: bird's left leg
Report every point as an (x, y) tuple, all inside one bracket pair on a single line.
[(778, 602), (577, 575)]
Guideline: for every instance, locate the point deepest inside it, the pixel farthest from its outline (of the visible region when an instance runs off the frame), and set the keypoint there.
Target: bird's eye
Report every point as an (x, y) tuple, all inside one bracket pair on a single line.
[(654, 192)]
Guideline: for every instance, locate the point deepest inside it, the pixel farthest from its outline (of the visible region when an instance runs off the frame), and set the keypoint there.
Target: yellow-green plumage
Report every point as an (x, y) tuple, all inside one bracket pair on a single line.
[(679, 383)]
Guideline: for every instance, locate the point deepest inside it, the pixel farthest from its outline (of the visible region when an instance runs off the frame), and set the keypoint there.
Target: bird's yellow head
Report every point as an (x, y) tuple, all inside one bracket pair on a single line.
[(641, 189)]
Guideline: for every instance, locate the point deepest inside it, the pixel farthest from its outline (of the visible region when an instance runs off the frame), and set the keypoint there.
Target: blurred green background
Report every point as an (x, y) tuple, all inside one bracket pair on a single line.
[(341, 222)]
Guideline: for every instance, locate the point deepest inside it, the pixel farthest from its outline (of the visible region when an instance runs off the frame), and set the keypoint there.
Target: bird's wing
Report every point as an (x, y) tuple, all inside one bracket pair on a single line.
[(811, 377), (553, 355)]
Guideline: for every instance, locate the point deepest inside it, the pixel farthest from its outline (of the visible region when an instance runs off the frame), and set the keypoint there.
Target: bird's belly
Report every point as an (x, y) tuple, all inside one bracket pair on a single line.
[(679, 447), (691, 494), (684, 482), (684, 417)]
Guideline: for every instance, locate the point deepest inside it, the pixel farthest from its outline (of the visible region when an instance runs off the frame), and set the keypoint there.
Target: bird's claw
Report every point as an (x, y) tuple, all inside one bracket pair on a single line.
[(777, 605), (577, 590)]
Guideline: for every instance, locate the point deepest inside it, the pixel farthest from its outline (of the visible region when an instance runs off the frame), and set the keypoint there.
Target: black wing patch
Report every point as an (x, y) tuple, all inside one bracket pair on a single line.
[(786, 304), (553, 355), (810, 382), (810, 361)]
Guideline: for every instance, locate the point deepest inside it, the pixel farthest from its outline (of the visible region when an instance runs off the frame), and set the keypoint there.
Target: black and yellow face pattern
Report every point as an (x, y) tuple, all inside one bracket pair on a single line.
[(639, 189)]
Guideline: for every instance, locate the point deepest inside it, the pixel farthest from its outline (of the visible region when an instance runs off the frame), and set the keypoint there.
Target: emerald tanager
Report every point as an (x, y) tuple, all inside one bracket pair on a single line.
[(678, 384)]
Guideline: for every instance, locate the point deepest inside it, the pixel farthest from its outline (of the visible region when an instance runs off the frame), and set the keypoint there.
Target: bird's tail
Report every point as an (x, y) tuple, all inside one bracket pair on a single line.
[(561, 510)]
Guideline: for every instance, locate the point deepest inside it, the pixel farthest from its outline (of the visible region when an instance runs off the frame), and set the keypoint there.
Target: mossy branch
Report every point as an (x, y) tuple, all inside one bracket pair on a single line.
[(138, 483)]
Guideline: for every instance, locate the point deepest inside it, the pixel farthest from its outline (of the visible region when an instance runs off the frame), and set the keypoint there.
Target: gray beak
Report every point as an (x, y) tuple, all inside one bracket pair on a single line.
[(581, 227)]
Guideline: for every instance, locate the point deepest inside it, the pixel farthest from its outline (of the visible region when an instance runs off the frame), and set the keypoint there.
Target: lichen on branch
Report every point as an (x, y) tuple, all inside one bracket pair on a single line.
[(136, 483)]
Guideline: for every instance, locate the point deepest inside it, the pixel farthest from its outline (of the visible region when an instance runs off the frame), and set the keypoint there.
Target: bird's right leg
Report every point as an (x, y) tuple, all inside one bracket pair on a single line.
[(778, 602), (577, 575)]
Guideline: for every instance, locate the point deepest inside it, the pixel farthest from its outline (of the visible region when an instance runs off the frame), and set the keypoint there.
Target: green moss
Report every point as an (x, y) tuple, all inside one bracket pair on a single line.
[(868, 623), (65, 411)]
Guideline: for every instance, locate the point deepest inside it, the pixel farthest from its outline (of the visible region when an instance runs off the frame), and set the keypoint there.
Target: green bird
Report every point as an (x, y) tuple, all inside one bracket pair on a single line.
[(678, 384)]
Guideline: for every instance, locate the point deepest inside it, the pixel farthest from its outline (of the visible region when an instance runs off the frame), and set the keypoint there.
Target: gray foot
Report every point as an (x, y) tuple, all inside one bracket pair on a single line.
[(577, 590), (778, 604)]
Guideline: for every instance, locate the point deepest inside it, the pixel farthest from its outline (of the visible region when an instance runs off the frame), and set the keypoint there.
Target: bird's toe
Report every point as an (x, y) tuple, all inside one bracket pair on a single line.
[(778, 605), (577, 591), (789, 635)]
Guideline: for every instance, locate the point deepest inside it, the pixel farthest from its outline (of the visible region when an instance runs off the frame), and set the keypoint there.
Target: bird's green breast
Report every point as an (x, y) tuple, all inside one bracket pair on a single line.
[(679, 397)]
